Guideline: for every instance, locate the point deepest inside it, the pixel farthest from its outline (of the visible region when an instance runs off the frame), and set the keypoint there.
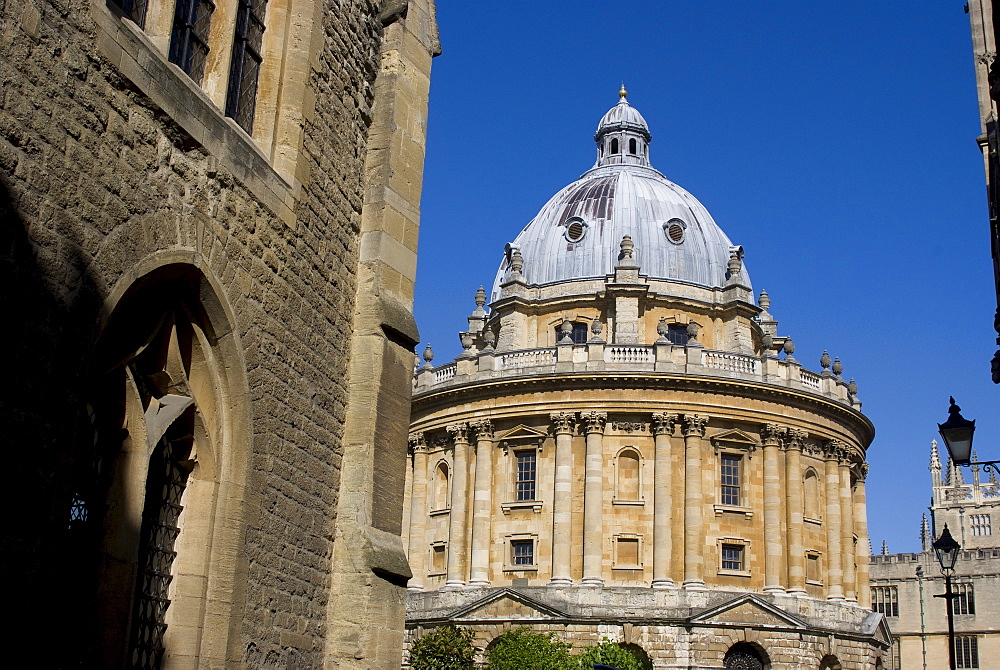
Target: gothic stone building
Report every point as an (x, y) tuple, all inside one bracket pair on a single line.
[(209, 214), (904, 586), (622, 452)]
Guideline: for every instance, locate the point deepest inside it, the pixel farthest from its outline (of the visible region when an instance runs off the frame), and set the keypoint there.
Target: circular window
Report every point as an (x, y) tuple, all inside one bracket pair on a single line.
[(675, 230), (575, 230)]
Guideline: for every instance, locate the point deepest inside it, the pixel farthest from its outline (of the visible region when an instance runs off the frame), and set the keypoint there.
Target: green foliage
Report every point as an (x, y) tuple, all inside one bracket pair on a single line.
[(445, 648), (524, 649), (609, 653)]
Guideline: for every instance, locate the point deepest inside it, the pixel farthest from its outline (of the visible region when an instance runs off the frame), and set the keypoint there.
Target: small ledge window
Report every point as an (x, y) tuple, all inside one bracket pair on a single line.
[(522, 553), (674, 230), (438, 563), (632, 146), (677, 333), (813, 575), (579, 333), (628, 552), (614, 146), (733, 557)]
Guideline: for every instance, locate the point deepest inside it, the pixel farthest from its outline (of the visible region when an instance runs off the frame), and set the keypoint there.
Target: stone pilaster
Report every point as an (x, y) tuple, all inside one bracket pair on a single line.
[(774, 546), (663, 430), (694, 503), (847, 530), (795, 557), (834, 549), (563, 424), (593, 499), (861, 529), (482, 504), (459, 495), (417, 545)]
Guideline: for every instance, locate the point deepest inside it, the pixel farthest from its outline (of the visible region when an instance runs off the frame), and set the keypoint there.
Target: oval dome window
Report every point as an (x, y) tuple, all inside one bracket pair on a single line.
[(675, 230), (575, 230)]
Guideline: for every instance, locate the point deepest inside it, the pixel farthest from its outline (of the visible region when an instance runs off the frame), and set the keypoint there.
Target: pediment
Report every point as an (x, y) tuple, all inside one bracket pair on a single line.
[(748, 610), (876, 626), (735, 437), (506, 604), (522, 432)]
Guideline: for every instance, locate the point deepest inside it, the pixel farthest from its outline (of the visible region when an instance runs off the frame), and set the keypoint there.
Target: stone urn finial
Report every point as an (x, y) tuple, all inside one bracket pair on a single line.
[(627, 247), (692, 330), (735, 265), (767, 342), (516, 261), (596, 327), (480, 298), (662, 329), (764, 301), (838, 367), (852, 388), (428, 354), (466, 341), (567, 331), (789, 349), (824, 360), (489, 338)]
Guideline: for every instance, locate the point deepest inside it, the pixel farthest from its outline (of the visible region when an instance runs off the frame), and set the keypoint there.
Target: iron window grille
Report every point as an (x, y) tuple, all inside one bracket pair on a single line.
[(732, 557), (885, 600), (522, 552), (189, 37), (244, 71), (967, 651), (134, 10), (964, 601), (730, 479), (525, 488)]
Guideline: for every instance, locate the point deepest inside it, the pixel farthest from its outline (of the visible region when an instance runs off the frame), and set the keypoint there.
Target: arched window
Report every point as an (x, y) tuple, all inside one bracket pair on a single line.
[(810, 494), (628, 475), (743, 656), (440, 487), (631, 146), (614, 146)]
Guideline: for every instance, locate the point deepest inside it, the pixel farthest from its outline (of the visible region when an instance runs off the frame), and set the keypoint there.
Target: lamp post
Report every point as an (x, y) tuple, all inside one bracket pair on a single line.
[(946, 549), (957, 434)]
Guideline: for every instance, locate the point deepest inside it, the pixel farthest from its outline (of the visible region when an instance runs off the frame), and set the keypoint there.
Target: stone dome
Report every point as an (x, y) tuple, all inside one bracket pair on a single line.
[(577, 234)]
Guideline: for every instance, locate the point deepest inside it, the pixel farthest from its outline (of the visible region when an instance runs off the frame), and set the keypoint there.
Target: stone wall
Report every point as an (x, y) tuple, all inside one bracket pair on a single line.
[(114, 166)]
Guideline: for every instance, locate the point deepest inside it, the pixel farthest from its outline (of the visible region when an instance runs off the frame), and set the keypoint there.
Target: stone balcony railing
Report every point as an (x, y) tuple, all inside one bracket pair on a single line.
[(601, 357)]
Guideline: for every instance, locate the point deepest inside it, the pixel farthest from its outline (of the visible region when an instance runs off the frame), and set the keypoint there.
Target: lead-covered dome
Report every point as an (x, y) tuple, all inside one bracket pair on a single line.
[(577, 234)]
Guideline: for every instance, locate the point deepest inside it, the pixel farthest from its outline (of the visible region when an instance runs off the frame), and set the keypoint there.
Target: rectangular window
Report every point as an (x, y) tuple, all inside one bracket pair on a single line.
[(438, 558), (732, 557), (967, 651), (979, 524), (522, 552), (134, 10), (628, 551), (965, 603), (885, 600), (525, 488), (241, 96), (894, 661), (730, 479), (189, 37), (812, 568)]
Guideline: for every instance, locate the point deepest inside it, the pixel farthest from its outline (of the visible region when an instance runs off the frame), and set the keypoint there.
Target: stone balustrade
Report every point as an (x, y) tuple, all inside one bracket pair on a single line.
[(484, 365)]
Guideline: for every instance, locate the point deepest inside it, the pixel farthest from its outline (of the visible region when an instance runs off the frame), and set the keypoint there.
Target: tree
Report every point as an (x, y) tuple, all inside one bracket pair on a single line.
[(609, 653), (524, 649), (445, 648)]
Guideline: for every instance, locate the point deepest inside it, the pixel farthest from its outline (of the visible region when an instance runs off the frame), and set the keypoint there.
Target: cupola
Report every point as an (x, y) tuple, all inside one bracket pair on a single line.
[(622, 135)]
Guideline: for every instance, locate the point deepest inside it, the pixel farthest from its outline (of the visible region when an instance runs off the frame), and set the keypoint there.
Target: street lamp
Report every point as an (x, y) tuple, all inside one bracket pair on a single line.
[(957, 434), (946, 549)]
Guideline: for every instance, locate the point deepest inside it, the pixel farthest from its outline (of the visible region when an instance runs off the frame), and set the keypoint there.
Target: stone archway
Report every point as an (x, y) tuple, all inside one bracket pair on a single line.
[(745, 656), (830, 662)]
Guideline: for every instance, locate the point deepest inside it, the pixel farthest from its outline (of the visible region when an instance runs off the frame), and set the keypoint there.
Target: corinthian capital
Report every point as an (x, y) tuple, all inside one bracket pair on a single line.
[(694, 425), (459, 432), (663, 424), (797, 438), (483, 428), (417, 442), (562, 422), (773, 434), (835, 450), (593, 422)]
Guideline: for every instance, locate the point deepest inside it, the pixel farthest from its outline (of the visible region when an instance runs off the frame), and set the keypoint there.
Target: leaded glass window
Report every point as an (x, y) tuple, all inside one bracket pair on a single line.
[(967, 651), (730, 479), (522, 552), (189, 37), (241, 97), (964, 601), (732, 557), (135, 10), (885, 600)]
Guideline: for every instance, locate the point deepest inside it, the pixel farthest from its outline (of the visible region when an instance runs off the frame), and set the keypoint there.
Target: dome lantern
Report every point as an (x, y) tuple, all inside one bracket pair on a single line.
[(622, 135)]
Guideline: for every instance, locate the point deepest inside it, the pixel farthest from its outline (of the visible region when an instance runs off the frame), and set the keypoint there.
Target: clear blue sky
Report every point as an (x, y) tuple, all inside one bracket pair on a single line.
[(834, 140)]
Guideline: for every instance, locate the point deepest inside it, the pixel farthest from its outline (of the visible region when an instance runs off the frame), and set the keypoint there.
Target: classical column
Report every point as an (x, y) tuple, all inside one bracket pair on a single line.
[(795, 557), (459, 500), (482, 503), (847, 529), (835, 561), (663, 429), (861, 528), (562, 499), (694, 503), (417, 545), (593, 499), (774, 546)]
